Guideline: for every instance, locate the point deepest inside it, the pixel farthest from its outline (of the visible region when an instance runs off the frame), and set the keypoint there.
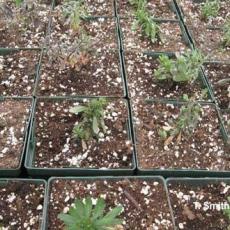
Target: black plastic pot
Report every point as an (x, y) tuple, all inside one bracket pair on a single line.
[(69, 171)]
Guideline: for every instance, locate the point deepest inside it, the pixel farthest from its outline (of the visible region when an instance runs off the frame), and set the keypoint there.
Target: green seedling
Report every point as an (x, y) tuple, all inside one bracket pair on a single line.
[(74, 11), (149, 27), (86, 216), (185, 68), (185, 123), (210, 9), (92, 119), (226, 31)]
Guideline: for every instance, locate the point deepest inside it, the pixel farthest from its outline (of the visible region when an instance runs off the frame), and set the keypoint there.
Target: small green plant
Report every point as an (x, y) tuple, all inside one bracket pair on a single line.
[(185, 68), (92, 119), (73, 11), (85, 216), (186, 122), (210, 9), (226, 36), (149, 27)]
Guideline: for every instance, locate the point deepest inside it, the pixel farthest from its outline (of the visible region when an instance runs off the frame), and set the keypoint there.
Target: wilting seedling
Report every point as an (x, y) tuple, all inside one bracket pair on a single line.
[(92, 119), (185, 68), (74, 56), (86, 216), (186, 122), (210, 9)]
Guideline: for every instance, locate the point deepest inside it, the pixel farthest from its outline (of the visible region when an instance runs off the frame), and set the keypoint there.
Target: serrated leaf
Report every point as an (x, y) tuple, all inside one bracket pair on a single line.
[(110, 218), (99, 209)]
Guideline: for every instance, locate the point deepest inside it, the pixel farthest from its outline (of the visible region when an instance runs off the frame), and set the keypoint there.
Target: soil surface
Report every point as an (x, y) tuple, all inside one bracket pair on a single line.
[(170, 33), (192, 13), (142, 83), (158, 9), (56, 148), (100, 76), (17, 73), (226, 118), (23, 26), (144, 201), (96, 8), (14, 116), (215, 73), (204, 149), (210, 42), (21, 205), (192, 208), (103, 31)]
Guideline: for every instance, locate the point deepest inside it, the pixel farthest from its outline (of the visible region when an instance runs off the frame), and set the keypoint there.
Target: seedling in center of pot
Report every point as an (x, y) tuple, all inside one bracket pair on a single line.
[(185, 68), (185, 124), (210, 9), (226, 36), (74, 11), (92, 120), (149, 27), (74, 56), (84, 215)]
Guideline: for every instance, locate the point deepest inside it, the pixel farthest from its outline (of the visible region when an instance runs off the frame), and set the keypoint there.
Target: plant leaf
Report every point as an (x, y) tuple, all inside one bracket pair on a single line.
[(78, 109), (95, 125)]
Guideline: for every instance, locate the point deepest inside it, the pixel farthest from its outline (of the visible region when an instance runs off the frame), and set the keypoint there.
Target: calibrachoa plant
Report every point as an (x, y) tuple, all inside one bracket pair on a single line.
[(83, 215)]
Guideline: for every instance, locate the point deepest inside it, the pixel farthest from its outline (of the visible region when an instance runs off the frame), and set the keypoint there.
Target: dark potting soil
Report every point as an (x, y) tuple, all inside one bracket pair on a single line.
[(14, 115), (144, 201), (18, 73), (215, 73), (191, 204), (100, 76), (21, 205)]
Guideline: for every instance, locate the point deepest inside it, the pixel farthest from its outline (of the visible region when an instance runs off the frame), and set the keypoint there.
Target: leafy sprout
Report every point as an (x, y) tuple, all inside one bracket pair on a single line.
[(226, 36), (149, 27), (210, 9), (185, 68), (92, 121), (74, 11), (186, 122), (86, 216)]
